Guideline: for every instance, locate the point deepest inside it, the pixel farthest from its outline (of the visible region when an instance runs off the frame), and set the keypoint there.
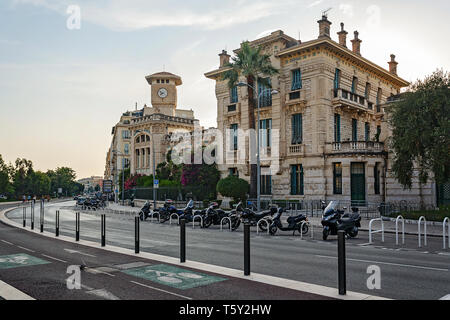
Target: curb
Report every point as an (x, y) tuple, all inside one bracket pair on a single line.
[(266, 279)]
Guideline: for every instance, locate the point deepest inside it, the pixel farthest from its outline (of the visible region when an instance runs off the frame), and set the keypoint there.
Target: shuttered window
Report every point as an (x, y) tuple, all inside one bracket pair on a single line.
[(297, 129), (296, 80)]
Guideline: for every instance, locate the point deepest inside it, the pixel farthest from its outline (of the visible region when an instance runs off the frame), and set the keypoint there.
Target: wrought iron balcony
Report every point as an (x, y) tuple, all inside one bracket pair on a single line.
[(345, 98)]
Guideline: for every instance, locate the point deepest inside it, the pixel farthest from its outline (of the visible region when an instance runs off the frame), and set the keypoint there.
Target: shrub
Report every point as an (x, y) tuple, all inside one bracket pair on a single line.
[(233, 187)]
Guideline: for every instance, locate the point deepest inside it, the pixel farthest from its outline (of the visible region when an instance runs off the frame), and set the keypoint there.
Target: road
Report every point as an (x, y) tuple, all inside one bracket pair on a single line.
[(406, 273)]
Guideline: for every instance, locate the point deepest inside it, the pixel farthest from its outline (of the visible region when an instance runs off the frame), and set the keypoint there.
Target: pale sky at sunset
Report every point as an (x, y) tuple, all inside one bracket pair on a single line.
[(62, 90)]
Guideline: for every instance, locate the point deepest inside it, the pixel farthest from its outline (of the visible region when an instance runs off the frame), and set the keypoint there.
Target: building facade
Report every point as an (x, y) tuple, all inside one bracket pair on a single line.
[(91, 182), (144, 135), (329, 117)]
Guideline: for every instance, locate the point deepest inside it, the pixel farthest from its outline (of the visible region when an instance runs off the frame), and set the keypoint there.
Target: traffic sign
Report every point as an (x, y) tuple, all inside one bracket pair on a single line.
[(156, 184), (107, 186)]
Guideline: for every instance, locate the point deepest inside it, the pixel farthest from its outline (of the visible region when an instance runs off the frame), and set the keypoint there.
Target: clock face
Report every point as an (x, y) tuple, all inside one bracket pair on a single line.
[(162, 93)]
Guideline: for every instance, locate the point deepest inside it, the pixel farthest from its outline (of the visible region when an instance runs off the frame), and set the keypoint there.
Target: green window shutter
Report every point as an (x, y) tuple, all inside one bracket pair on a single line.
[(337, 76), (293, 180), (234, 95), (296, 80), (337, 128), (354, 130), (367, 131), (297, 128)]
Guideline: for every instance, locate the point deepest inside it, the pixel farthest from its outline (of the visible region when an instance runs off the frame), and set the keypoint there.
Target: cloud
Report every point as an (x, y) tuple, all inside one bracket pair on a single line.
[(346, 9), (315, 3), (139, 14)]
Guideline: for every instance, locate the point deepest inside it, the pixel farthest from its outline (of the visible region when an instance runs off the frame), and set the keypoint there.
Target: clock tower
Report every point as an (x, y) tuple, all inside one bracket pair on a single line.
[(164, 91)]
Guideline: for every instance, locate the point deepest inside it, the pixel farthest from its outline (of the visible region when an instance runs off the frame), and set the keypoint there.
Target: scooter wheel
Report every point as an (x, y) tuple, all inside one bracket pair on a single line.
[(273, 230), (353, 233), (305, 229), (325, 234)]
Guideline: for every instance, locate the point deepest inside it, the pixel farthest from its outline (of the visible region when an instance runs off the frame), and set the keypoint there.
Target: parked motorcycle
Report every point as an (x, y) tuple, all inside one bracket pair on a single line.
[(250, 216), (334, 220), (167, 210), (214, 216), (189, 213), (145, 211), (294, 223)]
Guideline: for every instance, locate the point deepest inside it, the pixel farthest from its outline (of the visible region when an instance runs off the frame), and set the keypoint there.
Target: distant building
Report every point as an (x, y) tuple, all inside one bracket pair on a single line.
[(91, 182)]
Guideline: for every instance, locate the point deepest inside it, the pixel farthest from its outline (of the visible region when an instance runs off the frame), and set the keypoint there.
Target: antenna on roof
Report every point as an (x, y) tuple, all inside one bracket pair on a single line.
[(325, 13)]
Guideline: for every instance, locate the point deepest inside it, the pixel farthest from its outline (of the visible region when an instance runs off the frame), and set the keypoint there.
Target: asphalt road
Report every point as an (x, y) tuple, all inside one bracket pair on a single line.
[(406, 273)]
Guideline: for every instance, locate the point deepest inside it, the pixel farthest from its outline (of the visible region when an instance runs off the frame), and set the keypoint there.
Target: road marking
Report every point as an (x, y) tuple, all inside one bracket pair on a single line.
[(103, 293), (175, 294), (11, 293), (96, 271), (388, 263), (447, 297), (363, 244), (26, 249), (7, 242), (53, 258), (79, 252)]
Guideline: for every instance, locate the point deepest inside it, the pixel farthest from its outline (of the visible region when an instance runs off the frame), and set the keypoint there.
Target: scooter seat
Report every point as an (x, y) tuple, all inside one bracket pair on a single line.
[(295, 219)]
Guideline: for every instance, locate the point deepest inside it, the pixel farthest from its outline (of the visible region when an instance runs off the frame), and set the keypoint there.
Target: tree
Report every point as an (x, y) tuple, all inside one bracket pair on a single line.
[(254, 65), (97, 188), (22, 176), (40, 184), (233, 187), (5, 182), (421, 130), (168, 170)]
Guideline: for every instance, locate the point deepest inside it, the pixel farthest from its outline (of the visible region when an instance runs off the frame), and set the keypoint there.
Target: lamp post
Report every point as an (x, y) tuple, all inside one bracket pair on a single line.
[(258, 162)]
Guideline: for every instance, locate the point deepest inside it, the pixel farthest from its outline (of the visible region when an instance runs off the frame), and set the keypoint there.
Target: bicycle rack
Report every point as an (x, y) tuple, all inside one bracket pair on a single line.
[(443, 232), (257, 225), (396, 229), (152, 216), (376, 231), (424, 231), (174, 214), (301, 229), (221, 222), (193, 221)]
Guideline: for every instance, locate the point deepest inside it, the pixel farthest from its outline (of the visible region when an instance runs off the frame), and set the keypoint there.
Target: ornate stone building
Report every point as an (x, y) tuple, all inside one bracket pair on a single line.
[(132, 143), (330, 117)]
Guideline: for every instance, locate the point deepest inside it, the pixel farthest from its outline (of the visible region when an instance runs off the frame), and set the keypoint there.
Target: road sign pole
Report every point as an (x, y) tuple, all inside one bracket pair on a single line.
[(246, 249), (182, 240), (136, 234), (341, 263)]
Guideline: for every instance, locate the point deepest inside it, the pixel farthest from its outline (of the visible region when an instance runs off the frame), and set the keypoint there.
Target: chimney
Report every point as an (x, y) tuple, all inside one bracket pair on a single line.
[(342, 36), (224, 58), (356, 44), (393, 65), (324, 27)]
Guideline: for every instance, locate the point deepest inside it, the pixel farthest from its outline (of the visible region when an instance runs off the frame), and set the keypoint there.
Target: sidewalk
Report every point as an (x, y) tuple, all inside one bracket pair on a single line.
[(116, 207)]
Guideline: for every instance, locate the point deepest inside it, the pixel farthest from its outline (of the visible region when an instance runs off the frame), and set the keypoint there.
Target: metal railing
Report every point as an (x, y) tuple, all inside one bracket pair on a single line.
[(376, 231), (422, 218), (396, 229), (446, 221)]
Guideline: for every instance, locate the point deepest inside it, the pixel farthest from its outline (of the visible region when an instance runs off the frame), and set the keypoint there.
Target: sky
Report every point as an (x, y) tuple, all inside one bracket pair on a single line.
[(62, 89)]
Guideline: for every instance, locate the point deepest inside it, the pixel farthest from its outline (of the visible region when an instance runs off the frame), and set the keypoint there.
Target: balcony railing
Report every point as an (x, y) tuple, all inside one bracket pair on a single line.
[(345, 97), (355, 146), (296, 150)]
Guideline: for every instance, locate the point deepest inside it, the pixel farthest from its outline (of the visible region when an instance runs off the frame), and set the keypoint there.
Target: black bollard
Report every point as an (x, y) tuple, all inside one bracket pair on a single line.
[(342, 279), (42, 217), (32, 217), (136, 234), (103, 230), (24, 217), (57, 223), (246, 249), (182, 240), (77, 226)]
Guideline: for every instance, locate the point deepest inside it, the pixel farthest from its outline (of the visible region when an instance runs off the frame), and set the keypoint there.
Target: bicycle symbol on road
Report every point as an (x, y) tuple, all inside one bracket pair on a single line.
[(172, 277)]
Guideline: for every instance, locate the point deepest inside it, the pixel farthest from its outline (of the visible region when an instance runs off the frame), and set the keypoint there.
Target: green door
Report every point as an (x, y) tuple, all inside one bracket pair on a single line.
[(358, 183)]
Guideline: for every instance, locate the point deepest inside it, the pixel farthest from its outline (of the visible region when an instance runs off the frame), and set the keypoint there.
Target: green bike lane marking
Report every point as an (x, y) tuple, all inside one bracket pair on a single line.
[(19, 260), (173, 276)]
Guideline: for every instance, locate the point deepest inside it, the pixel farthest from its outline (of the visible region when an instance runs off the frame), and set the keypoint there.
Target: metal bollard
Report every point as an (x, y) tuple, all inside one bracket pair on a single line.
[(342, 278), (24, 217), (182, 241), (246, 249), (103, 227), (77, 226), (136, 234), (32, 217), (57, 223)]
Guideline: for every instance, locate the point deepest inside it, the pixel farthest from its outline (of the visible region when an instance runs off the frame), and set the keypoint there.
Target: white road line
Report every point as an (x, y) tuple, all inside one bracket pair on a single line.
[(447, 297), (175, 294), (388, 263), (7, 242), (26, 249), (11, 293), (99, 271), (53, 258)]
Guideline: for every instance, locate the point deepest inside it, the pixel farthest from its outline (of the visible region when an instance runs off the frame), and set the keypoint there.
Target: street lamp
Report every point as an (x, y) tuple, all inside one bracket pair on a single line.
[(258, 163)]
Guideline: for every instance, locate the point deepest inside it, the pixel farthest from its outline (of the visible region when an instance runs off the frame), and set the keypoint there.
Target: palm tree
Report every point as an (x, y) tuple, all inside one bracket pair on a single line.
[(255, 66)]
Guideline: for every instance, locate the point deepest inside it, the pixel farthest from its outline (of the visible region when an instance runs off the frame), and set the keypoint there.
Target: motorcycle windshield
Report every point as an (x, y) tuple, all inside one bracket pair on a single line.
[(332, 207), (190, 204)]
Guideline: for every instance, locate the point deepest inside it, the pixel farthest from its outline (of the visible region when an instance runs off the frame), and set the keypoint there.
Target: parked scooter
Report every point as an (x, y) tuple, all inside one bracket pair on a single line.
[(334, 220), (189, 213), (214, 216), (294, 223), (167, 210), (252, 217), (145, 211)]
